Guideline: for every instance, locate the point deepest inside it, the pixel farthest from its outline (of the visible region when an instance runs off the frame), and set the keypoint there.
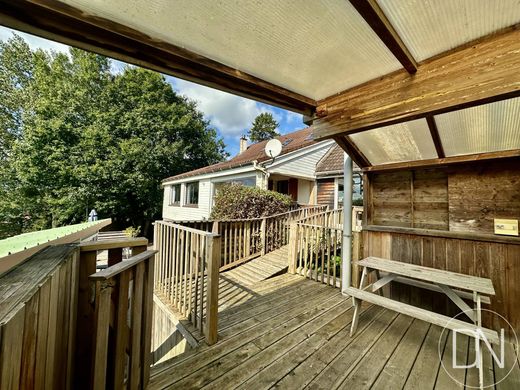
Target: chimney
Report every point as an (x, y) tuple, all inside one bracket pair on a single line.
[(243, 144)]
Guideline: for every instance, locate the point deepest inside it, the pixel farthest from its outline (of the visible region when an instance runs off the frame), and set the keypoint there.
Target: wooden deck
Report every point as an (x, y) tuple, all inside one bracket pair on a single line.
[(289, 332), (261, 268)]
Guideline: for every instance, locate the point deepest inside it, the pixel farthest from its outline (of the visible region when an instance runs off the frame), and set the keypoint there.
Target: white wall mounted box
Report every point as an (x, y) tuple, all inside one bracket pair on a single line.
[(508, 227)]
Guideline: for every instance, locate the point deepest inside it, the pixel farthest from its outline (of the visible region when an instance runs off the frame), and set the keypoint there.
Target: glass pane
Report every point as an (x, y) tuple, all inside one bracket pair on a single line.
[(409, 141), (487, 128)]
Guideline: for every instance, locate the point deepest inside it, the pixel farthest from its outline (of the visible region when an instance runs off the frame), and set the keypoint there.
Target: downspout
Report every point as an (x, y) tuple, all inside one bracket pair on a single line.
[(264, 171), (346, 252)]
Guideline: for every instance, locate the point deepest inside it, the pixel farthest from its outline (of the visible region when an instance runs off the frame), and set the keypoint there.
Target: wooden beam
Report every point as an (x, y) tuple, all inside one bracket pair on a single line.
[(353, 151), (435, 136), (435, 162), (60, 22), (484, 72), (376, 19)]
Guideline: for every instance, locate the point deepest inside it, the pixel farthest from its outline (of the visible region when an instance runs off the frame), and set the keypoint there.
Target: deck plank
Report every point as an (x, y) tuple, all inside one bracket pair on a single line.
[(396, 370), (426, 367)]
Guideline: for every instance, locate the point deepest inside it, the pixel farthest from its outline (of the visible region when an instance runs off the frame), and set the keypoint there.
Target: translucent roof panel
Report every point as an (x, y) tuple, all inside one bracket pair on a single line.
[(409, 141), (428, 28), (315, 47), (487, 128)]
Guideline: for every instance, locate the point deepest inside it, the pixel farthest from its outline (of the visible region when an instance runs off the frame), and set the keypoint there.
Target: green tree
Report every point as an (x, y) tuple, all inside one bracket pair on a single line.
[(263, 128), (81, 137)]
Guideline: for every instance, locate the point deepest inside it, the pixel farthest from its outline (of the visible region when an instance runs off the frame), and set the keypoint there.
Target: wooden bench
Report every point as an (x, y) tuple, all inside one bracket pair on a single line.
[(456, 286)]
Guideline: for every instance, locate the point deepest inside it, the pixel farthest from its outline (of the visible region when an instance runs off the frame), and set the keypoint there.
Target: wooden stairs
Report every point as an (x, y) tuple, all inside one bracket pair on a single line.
[(262, 268)]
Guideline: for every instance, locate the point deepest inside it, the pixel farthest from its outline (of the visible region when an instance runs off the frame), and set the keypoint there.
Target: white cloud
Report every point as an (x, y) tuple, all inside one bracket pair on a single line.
[(34, 42), (231, 114), (292, 117)]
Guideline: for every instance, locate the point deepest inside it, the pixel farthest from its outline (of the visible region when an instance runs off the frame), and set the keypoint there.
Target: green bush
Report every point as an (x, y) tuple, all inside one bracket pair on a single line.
[(235, 201)]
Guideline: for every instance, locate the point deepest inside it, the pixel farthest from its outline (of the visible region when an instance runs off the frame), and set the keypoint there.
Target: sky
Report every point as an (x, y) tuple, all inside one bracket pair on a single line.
[(231, 115)]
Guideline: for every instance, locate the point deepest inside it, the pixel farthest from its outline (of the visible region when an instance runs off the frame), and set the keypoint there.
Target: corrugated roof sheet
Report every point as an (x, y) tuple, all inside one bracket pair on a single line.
[(408, 141), (428, 28), (315, 48), (487, 128)]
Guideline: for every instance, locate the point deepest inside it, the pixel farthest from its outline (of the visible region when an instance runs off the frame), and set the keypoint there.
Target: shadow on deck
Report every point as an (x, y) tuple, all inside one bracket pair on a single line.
[(290, 332)]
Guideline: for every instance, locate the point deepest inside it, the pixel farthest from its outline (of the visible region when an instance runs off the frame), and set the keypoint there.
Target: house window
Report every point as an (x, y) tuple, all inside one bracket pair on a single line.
[(282, 186), (175, 194), (192, 194)]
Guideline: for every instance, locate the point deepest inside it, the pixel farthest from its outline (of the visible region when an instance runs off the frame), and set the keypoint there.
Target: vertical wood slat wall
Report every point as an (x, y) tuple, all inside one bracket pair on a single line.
[(37, 321)]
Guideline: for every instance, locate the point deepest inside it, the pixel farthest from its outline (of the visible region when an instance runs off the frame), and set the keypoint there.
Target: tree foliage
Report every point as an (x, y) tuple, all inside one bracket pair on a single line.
[(76, 136), (236, 201), (263, 128)]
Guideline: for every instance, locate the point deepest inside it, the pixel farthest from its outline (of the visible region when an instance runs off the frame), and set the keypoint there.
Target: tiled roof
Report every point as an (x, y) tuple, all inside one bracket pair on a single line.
[(332, 162), (255, 152)]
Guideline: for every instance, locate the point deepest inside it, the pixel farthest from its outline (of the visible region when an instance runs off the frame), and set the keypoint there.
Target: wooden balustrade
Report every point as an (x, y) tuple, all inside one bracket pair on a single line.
[(122, 330), (315, 249), (187, 273)]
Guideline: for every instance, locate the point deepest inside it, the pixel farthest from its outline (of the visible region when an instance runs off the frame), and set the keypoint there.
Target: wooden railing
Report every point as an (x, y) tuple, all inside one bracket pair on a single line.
[(187, 273), (245, 239), (315, 248), (63, 325), (123, 323)]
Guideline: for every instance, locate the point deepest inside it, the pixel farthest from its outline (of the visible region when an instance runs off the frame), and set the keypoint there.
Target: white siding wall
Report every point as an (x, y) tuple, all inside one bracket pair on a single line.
[(180, 213), (302, 166)]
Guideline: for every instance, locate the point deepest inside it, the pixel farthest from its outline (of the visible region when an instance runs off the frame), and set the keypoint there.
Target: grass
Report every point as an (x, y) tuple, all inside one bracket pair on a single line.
[(28, 240)]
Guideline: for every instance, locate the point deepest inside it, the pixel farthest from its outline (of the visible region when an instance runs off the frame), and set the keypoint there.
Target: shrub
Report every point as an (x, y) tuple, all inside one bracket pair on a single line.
[(235, 201)]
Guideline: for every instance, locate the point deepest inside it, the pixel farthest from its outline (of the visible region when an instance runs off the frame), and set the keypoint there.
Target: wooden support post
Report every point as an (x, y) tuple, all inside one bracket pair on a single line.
[(293, 247), (115, 255), (102, 321), (213, 259), (263, 240), (138, 249)]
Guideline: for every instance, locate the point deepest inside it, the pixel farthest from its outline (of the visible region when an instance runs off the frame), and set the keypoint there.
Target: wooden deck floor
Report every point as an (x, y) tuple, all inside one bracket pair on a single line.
[(261, 268), (291, 333)]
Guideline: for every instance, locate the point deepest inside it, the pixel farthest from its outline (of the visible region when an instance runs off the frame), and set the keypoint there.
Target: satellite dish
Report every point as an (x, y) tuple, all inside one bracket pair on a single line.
[(273, 148)]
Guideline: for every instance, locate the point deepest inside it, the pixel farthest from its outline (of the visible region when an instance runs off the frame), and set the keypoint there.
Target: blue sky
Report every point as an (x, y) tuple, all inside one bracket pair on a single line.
[(231, 115)]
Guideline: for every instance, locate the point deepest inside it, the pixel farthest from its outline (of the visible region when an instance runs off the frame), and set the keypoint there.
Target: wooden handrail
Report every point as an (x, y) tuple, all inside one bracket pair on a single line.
[(115, 270), (112, 244)]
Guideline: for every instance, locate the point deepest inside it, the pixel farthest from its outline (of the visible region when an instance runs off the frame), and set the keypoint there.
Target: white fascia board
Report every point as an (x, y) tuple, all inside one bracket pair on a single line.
[(297, 153), (212, 175)]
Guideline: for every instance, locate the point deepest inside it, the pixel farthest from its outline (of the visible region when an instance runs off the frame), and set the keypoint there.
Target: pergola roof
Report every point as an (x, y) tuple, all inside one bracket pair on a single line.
[(393, 82)]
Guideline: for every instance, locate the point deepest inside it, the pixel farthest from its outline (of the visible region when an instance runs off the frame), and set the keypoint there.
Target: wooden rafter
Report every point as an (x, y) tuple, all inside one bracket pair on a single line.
[(62, 23), (435, 162), (435, 136), (376, 19), (484, 72), (353, 151)]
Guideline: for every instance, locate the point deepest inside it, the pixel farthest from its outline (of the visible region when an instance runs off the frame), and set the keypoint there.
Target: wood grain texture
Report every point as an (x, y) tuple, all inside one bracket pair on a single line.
[(473, 75)]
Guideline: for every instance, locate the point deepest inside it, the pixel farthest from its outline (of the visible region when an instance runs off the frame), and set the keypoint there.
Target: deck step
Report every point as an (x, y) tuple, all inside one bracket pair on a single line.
[(422, 314), (260, 268)]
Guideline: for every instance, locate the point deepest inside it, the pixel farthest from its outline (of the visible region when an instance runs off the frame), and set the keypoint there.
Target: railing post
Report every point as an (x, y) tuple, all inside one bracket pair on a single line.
[(263, 240), (213, 259), (293, 247)]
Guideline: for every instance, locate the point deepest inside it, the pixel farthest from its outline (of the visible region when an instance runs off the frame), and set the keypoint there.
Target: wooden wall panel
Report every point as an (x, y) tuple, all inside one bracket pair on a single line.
[(430, 199), (498, 261), (391, 199), (326, 192), (480, 193)]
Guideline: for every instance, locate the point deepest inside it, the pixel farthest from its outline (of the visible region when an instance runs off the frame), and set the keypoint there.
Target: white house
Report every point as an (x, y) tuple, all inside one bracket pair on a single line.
[(189, 196)]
